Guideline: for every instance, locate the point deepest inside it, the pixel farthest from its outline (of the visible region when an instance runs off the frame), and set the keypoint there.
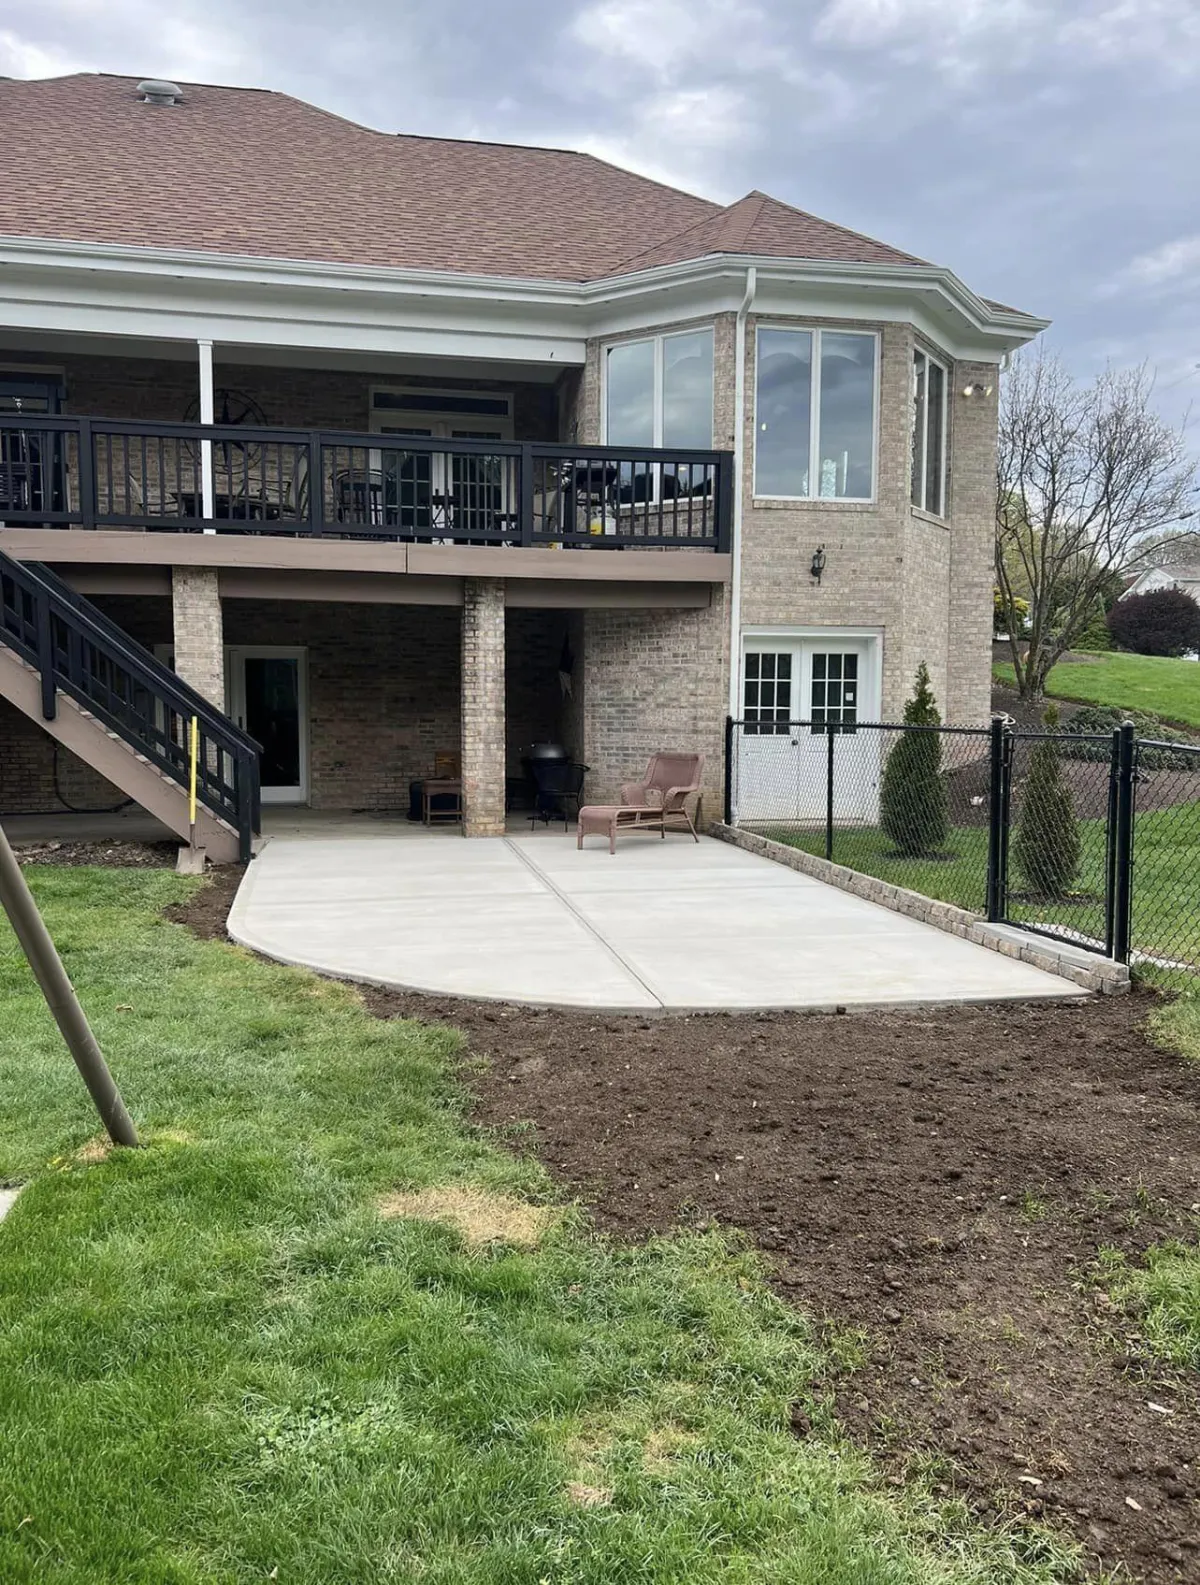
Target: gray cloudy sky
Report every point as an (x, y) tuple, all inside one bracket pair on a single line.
[(1046, 150)]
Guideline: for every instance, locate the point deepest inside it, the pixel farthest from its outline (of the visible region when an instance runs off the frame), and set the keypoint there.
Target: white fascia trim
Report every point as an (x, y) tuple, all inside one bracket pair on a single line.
[(587, 306)]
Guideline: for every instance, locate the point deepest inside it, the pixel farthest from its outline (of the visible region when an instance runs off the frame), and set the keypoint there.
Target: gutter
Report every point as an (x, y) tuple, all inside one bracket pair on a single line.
[(739, 489)]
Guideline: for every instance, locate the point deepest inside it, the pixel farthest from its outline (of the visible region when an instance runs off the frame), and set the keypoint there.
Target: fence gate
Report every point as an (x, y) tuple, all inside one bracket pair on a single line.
[(1061, 828)]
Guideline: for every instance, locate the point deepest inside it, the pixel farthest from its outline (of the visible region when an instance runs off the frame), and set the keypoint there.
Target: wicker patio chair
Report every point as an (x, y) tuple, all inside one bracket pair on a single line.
[(670, 783)]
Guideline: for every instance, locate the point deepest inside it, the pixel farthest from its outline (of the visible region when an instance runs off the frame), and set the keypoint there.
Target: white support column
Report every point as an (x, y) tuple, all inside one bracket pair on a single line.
[(208, 495)]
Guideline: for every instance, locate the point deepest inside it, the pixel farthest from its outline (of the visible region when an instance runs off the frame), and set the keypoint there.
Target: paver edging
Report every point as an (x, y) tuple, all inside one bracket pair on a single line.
[(1104, 975)]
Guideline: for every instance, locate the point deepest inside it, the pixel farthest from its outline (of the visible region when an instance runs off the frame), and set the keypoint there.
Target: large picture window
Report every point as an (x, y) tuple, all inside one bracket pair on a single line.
[(659, 392), (929, 434), (815, 402)]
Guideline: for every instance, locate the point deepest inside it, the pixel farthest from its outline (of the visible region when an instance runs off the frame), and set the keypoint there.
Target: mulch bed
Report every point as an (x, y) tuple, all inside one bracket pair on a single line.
[(941, 1180)]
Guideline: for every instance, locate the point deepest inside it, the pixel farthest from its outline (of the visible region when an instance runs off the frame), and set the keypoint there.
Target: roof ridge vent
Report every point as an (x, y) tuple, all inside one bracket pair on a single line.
[(157, 91)]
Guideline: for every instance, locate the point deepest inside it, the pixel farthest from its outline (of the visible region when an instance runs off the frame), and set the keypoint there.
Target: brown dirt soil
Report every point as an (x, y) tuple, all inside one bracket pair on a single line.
[(940, 1180), (108, 855)]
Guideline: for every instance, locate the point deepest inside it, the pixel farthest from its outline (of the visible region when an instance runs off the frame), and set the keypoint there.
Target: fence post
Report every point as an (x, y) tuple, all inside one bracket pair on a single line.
[(729, 725), (1122, 903), (997, 879), (1110, 845), (829, 737)]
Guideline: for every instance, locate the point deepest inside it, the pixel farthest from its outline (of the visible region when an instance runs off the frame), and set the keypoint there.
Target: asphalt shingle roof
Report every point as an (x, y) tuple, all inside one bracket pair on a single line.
[(252, 172)]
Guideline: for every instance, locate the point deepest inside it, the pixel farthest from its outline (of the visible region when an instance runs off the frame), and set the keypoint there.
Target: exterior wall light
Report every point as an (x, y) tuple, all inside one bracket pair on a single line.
[(977, 390), (818, 563)]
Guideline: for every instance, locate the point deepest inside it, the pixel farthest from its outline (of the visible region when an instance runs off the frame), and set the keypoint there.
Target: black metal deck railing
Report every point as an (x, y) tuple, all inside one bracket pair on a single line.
[(78, 650), (62, 472)]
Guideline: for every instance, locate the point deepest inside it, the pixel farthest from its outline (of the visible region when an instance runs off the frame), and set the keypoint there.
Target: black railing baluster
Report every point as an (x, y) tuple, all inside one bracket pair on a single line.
[(87, 475), (634, 495)]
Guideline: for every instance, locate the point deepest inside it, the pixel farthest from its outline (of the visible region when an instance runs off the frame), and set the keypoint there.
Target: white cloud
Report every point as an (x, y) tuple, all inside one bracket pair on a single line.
[(1173, 264), (23, 58), (957, 37), (968, 38), (663, 38), (1117, 31)]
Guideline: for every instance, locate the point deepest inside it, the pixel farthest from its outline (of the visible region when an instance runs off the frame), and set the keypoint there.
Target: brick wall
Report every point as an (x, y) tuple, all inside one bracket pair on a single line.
[(165, 388), (483, 739), (197, 631), (652, 680)]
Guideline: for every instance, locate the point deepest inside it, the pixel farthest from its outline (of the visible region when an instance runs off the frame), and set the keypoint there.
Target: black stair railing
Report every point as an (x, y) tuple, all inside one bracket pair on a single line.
[(77, 650)]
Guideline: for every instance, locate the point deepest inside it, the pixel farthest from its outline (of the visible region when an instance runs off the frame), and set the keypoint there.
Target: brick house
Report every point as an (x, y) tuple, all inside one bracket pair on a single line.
[(398, 447)]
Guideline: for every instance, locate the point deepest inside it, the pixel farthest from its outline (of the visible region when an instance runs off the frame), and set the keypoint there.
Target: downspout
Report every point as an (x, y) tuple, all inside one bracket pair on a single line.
[(739, 456)]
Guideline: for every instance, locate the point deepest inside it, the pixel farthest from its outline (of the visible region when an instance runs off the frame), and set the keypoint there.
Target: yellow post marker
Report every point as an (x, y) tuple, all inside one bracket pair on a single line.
[(194, 744), (191, 858)]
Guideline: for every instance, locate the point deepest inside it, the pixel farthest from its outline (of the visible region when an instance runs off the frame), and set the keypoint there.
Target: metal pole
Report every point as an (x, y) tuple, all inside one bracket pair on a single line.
[(729, 770), (996, 834), (829, 735), (39, 949), (1123, 856), (1110, 846)]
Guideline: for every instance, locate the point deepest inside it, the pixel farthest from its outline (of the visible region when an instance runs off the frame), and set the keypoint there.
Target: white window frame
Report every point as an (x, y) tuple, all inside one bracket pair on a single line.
[(922, 505), (657, 338), (814, 415)]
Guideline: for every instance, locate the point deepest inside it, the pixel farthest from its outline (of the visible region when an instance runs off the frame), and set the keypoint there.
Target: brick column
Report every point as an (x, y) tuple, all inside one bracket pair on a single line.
[(199, 632), (483, 740)]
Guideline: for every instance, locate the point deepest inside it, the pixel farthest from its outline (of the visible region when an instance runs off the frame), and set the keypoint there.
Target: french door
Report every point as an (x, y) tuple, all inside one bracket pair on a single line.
[(797, 694), (267, 690), (425, 491)]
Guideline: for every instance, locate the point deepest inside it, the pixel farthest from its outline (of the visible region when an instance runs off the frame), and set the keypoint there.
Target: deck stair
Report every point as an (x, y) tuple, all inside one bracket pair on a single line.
[(111, 702)]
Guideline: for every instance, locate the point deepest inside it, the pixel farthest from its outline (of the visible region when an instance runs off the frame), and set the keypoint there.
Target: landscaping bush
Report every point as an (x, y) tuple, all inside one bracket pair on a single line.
[(1102, 719), (914, 808), (1046, 844), (1095, 636), (1160, 622)]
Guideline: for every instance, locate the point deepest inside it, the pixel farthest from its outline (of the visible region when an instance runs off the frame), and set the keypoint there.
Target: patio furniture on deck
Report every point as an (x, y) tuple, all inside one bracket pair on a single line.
[(671, 781)]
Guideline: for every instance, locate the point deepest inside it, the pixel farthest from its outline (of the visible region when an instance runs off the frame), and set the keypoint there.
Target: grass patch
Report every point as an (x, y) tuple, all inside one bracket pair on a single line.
[(1164, 910), (1166, 688), (220, 1363), (1164, 1291)]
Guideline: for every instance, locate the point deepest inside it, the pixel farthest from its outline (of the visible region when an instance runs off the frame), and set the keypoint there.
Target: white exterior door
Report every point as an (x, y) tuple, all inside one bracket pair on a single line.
[(797, 694)]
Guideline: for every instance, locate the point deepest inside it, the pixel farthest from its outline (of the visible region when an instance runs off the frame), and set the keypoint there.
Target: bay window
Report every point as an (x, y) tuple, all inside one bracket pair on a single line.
[(929, 434), (659, 392), (814, 414)]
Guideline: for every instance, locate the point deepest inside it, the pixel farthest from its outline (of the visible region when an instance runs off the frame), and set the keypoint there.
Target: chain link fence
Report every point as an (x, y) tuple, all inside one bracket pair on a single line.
[(1088, 837), (1165, 926)]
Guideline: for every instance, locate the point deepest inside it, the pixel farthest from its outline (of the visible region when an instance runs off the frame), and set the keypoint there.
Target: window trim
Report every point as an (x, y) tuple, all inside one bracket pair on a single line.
[(943, 474), (814, 416), (657, 338)]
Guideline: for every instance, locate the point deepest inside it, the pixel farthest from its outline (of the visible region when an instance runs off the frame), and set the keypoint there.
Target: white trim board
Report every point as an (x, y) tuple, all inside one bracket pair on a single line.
[(159, 293)]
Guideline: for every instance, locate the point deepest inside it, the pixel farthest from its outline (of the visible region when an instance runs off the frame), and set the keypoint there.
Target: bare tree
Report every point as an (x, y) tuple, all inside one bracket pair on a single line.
[(1086, 475)]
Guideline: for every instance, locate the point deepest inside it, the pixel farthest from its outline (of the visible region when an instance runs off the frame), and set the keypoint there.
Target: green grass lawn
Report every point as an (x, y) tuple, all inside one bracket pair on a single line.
[(1166, 688), (1167, 851), (219, 1363)]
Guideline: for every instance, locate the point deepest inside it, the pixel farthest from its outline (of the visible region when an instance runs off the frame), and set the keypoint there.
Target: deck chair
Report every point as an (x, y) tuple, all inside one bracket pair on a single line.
[(670, 783)]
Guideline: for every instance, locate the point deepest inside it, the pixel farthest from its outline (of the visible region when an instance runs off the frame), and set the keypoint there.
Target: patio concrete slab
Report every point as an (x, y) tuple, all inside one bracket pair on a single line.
[(659, 926)]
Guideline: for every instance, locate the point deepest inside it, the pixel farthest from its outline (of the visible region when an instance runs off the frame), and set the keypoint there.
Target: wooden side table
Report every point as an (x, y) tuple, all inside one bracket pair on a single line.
[(442, 787)]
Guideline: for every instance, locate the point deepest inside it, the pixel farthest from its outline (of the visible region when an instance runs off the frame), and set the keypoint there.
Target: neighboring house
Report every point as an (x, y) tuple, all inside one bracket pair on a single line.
[(1185, 576), (510, 445)]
